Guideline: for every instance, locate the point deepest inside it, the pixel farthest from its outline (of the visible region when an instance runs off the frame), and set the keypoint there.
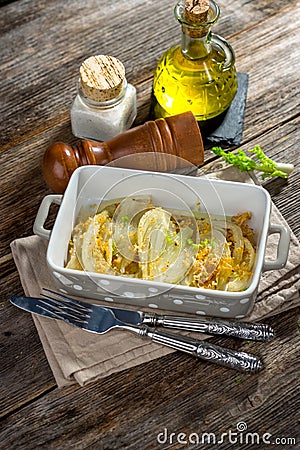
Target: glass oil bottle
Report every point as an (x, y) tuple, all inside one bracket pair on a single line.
[(199, 75)]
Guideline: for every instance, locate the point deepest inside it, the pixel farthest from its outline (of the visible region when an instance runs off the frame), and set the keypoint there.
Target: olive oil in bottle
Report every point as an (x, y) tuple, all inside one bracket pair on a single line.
[(199, 75)]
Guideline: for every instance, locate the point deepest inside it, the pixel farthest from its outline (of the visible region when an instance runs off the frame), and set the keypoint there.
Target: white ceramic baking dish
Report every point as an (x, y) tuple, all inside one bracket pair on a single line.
[(90, 184)]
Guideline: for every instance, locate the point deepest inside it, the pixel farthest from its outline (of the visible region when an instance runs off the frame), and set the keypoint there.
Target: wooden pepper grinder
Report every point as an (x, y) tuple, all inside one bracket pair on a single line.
[(176, 135)]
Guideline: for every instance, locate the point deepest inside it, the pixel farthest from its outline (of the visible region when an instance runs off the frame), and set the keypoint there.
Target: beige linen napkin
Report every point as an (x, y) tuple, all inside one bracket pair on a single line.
[(75, 355)]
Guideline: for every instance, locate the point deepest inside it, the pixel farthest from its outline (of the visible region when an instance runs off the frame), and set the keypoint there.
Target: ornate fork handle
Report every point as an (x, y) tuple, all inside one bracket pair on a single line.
[(257, 332), (203, 350)]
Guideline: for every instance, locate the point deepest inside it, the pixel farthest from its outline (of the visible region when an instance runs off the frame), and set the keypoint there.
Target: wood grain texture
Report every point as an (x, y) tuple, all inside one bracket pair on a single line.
[(123, 411), (24, 370), (28, 55), (42, 46)]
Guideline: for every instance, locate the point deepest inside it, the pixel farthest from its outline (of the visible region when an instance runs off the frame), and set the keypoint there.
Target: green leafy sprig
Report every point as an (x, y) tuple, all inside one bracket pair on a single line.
[(267, 166)]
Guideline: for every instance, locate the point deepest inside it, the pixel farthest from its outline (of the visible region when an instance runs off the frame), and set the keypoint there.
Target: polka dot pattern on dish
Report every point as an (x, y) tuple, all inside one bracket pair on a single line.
[(177, 301)]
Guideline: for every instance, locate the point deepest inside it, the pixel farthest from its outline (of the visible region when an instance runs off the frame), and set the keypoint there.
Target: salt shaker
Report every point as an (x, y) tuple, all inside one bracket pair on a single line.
[(105, 105)]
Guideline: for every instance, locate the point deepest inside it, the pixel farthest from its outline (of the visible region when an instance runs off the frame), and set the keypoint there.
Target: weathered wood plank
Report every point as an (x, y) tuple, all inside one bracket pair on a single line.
[(24, 370), (42, 72), (117, 411)]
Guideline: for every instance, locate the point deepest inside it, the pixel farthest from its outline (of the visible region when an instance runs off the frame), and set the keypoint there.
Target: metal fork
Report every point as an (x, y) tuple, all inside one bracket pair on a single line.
[(101, 320)]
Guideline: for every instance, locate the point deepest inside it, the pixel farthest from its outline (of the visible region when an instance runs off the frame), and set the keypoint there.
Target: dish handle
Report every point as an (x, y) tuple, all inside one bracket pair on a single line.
[(42, 214), (282, 248)]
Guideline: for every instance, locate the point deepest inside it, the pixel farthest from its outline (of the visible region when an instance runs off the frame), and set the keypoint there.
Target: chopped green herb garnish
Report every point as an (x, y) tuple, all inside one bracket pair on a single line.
[(213, 244), (169, 239)]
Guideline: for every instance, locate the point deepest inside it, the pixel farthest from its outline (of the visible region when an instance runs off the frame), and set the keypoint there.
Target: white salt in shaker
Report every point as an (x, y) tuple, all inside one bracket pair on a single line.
[(105, 105)]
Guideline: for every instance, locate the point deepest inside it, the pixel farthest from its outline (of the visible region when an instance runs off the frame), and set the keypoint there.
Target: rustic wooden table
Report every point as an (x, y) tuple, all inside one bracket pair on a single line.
[(42, 46)]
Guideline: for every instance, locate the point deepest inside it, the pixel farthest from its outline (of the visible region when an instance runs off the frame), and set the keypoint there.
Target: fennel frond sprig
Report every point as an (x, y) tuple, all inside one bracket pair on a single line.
[(267, 166)]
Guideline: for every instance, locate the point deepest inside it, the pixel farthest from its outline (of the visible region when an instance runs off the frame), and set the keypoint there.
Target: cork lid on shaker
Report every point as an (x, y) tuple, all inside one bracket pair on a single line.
[(102, 77)]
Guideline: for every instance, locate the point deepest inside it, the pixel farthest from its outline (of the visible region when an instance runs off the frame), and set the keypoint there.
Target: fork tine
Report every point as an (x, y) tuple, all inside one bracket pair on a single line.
[(65, 307), (61, 310), (59, 314), (67, 299)]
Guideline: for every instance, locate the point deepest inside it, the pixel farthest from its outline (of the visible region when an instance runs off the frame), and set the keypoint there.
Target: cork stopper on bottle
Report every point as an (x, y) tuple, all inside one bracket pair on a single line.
[(102, 77), (196, 13)]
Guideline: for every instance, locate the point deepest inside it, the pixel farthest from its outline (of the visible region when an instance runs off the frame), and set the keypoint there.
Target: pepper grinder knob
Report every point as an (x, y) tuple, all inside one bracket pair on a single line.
[(175, 135)]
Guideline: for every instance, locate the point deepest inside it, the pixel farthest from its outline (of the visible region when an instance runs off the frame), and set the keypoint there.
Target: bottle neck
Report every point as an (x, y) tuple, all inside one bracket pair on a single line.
[(195, 47), (196, 28)]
